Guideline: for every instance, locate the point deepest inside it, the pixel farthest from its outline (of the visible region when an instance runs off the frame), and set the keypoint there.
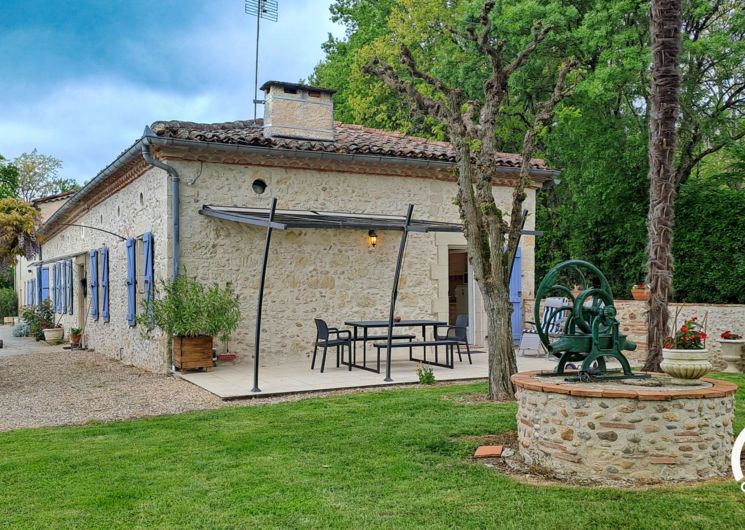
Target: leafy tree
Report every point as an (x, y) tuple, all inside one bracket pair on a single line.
[(8, 178), (473, 115), (18, 222), (600, 135), (38, 176)]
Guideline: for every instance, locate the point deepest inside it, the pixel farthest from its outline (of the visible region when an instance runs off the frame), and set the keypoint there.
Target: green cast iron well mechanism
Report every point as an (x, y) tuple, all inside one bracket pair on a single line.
[(588, 329)]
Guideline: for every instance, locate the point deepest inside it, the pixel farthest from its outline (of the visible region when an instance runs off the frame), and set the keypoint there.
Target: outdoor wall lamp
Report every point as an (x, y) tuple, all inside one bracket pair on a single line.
[(372, 238)]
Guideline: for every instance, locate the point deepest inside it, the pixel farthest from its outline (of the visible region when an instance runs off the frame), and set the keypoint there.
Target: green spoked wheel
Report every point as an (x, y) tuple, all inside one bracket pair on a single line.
[(576, 318)]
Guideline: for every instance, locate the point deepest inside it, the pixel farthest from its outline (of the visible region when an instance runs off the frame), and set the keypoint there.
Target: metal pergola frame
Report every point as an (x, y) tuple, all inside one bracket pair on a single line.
[(273, 218)]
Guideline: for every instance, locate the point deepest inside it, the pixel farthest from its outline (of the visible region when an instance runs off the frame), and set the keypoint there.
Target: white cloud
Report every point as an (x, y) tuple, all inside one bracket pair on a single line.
[(198, 73)]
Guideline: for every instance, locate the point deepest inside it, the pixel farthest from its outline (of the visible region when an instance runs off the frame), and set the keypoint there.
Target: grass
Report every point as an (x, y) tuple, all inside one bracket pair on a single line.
[(371, 460)]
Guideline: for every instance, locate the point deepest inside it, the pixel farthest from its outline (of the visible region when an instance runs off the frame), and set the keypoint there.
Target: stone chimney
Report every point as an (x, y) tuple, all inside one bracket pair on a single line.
[(298, 111)]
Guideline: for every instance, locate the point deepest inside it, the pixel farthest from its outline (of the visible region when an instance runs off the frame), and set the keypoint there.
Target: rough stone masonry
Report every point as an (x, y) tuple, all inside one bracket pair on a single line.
[(638, 435)]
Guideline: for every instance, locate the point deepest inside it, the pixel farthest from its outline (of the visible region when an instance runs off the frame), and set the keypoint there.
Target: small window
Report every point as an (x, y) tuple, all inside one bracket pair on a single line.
[(118, 212), (314, 93), (259, 186), (142, 199), (289, 90)]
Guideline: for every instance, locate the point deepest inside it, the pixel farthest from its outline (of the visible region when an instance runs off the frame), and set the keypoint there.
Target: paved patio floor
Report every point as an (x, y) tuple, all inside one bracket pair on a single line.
[(233, 381)]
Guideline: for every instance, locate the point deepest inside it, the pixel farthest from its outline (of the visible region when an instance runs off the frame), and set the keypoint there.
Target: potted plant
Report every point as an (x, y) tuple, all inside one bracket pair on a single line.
[(732, 347), (52, 333), (192, 315), (641, 291), (41, 318), (684, 356), (75, 337)]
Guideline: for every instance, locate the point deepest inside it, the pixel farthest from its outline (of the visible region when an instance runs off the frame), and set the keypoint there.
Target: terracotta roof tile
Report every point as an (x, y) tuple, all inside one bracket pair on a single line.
[(350, 139)]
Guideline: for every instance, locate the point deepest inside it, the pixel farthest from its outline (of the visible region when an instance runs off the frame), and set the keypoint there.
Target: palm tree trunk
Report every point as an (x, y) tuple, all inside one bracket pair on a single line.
[(665, 24)]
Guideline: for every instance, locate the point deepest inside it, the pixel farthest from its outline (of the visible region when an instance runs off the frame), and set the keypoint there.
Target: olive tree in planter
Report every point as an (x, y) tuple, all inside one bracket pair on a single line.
[(193, 314)]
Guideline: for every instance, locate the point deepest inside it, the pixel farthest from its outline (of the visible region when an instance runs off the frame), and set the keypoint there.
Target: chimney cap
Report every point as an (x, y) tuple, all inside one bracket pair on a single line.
[(295, 86)]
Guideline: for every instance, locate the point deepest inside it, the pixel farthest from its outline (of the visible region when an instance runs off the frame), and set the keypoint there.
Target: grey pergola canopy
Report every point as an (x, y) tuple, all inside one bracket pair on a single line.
[(284, 219)]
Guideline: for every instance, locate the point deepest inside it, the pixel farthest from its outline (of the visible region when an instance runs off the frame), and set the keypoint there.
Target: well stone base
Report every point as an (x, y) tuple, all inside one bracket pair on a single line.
[(618, 431)]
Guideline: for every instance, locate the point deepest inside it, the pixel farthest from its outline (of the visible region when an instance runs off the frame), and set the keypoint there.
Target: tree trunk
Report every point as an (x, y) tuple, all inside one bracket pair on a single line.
[(502, 362), (665, 23)]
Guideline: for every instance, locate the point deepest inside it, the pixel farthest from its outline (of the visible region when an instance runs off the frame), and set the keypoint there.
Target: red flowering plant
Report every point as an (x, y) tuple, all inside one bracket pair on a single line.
[(729, 335), (690, 336)]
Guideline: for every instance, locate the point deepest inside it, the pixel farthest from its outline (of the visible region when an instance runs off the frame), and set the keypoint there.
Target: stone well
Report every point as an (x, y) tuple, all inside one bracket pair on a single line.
[(634, 431)]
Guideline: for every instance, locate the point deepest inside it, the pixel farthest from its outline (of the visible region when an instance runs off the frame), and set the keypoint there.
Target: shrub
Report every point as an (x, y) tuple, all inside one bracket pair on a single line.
[(8, 303), (21, 330), (39, 318), (189, 309), (425, 374)]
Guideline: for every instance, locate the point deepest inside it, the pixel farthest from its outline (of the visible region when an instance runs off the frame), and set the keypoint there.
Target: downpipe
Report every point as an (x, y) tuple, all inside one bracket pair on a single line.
[(175, 210)]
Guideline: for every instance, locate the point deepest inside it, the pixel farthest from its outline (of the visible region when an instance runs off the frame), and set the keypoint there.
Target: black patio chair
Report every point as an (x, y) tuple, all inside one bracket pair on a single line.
[(324, 338), (458, 333)]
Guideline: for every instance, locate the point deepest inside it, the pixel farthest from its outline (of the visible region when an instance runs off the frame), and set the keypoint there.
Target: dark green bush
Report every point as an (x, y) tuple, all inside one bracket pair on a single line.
[(8, 303), (709, 244)]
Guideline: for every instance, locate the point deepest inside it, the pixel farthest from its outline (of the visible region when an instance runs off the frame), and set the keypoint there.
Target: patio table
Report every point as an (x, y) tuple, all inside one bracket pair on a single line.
[(366, 325)]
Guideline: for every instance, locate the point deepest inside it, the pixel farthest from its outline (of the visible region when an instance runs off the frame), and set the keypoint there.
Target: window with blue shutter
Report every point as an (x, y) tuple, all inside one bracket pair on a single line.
[(131, 282), (69, 287), (105, 283), (94, 283)]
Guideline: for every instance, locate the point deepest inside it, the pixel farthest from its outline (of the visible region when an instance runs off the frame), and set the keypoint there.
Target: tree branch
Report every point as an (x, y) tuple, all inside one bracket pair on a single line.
[(542, 119)]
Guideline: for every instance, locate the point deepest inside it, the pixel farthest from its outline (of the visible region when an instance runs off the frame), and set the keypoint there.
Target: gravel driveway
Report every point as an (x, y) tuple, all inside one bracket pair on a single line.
[(64, 387), (43, 385)]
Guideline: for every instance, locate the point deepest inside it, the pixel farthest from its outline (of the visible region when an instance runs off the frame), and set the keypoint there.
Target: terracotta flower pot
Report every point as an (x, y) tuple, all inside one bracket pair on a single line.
[(75, 341), (732, 353), (642, 295), (686, 367)]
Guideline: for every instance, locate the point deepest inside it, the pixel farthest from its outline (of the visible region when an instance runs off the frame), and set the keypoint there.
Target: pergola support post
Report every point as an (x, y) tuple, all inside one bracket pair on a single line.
[(259, 304), (394, 291)]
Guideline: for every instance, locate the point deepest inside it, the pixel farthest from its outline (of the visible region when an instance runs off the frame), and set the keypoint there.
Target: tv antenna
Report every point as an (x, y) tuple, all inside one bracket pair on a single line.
[(268, 10)]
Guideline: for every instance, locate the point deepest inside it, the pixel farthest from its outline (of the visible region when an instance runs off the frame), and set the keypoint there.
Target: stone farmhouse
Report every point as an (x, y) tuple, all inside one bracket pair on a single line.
[(174, 200)]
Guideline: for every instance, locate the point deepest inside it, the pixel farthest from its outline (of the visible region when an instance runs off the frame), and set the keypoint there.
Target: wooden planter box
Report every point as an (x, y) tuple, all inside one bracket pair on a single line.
[(191, 353)]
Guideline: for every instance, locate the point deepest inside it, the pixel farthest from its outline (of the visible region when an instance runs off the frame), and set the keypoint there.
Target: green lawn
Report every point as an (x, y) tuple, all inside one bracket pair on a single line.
[(369, 460)]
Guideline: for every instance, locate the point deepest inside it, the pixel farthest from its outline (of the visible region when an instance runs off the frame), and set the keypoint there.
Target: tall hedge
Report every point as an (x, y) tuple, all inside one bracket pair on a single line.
[(709, 244), (8, 303)]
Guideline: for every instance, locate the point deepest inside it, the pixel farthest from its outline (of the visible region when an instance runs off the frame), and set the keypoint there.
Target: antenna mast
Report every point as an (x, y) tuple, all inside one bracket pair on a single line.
[(268, 10)]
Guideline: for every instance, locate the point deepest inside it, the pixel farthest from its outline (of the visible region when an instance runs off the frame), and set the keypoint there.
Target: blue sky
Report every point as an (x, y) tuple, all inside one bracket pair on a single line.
[(81, 79)]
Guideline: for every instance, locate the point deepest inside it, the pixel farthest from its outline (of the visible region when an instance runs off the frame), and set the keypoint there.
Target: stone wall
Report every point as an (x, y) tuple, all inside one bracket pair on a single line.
[(719, 318), (581, 433), (139, 207), (331, 274), (632, 315)]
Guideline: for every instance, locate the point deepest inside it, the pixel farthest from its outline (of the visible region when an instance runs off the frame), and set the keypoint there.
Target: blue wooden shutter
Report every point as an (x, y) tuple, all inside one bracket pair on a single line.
[(44, 284), (516, 297), (69, 287), (57, 287), (147, 240), (105, 283), (39, 286), (131, 282), (63, 281), (94, 284)]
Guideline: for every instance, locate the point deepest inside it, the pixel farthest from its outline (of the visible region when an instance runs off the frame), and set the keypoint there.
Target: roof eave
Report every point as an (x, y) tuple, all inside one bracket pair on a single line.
[(540, 175)]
